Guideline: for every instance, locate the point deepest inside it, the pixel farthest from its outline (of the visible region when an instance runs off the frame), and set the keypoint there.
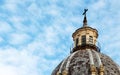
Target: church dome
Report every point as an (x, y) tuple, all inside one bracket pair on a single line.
[(87, 62), (85, 57)]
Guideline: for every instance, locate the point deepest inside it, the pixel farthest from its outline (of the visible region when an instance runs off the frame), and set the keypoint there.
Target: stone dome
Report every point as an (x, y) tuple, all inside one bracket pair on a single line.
[(85, 57), (87, 62)]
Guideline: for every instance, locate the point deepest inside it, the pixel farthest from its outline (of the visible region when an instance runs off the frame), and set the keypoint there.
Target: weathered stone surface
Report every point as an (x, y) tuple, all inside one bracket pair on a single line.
[(80, 64)]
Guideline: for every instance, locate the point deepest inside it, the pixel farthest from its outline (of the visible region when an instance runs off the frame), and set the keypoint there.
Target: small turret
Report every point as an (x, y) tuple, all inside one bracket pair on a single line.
[(85, 37)]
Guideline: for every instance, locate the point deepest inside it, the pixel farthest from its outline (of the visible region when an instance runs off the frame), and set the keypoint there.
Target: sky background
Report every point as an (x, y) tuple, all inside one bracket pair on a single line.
[(36, 35)]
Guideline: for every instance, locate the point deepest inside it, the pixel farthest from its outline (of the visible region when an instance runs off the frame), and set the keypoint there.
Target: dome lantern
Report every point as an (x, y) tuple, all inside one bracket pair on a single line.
[(85, 37)]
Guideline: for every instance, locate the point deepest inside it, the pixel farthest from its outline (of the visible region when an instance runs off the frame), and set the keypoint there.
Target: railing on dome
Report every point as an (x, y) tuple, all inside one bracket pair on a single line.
[(85, 46)]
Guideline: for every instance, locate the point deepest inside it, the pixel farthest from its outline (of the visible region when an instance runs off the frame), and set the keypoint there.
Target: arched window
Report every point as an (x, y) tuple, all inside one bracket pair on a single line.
[(77, 40), (83, 40), (90, 39)]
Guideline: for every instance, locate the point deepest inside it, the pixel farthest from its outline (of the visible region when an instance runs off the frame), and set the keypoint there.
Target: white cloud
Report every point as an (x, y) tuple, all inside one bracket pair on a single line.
[(98, 5), (1, 39), (10, 70), (35, 10), (5, 27), (17, 62), (18, 38)]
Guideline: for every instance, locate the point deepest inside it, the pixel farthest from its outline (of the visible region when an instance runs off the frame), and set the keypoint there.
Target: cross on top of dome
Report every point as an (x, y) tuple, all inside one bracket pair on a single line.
[(85, 10), (85, 18)]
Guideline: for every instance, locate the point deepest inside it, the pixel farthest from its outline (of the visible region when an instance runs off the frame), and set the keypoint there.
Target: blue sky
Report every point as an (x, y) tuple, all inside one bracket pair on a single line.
[(35, 35)]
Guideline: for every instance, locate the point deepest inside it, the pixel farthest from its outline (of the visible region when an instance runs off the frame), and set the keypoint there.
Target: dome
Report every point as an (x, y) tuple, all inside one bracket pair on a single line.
[(87, 62), (85, 57)]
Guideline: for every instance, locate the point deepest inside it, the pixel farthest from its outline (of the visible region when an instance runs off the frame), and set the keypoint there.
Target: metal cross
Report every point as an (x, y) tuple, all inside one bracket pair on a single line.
[(85, 10)]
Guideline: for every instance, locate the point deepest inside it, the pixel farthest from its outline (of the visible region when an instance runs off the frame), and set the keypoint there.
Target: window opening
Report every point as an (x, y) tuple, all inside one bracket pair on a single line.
[(83, 40)]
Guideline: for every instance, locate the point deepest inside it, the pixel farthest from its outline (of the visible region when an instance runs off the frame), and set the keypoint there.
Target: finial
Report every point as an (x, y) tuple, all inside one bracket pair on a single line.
[(85, 18)]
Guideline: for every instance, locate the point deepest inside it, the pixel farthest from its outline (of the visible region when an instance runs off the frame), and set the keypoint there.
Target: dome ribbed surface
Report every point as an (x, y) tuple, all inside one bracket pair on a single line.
[(78, 63)]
